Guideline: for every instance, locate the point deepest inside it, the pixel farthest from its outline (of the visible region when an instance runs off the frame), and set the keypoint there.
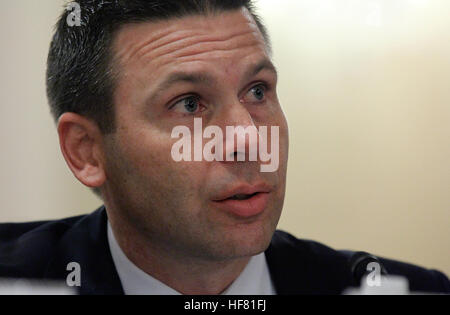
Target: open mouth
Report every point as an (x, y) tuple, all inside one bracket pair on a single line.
[(243, 196)]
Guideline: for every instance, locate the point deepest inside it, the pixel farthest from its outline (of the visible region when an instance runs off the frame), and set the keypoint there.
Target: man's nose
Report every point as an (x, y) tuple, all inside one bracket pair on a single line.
[(240, 134)]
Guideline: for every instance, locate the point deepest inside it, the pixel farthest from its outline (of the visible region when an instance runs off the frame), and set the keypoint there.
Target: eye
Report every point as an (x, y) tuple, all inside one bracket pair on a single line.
[(188, 105), (256, 94)]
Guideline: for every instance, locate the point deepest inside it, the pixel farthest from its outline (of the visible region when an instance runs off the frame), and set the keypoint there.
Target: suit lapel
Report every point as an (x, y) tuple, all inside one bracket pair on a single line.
[(287, 270), (86, 243)]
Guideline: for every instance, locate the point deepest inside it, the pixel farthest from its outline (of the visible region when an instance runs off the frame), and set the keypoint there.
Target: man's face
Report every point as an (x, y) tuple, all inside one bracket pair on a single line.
[(212, 67)]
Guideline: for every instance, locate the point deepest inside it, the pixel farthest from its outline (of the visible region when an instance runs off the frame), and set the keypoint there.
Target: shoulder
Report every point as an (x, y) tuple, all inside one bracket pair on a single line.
[(420, 279), (325, 270), (27, 248), (306, 267), (308, 251)]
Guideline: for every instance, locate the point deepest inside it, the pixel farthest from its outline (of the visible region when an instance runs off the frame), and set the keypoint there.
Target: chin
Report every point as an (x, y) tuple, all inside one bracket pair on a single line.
[(250, 241)]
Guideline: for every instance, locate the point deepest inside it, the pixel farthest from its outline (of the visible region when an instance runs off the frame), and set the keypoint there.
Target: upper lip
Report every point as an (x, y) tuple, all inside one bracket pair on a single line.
[(243, 189)]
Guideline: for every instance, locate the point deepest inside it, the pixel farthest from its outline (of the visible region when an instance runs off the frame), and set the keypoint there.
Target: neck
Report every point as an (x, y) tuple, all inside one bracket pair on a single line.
[(185, 274)]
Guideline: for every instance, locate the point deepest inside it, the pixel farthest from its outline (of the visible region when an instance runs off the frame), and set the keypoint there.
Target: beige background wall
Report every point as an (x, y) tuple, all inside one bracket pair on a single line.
[(365, 85)]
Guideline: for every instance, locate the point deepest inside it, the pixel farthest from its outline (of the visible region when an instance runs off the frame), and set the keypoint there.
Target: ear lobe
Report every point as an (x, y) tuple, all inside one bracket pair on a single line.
[(80, 143)]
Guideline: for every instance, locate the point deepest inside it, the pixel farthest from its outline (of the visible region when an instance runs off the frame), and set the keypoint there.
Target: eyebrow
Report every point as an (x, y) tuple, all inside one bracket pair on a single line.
[(178, 77), (264, 64), (194, 78), (207, 79)]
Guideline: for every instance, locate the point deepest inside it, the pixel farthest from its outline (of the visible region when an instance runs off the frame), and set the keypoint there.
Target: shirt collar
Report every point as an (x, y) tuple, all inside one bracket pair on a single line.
[(253, 280)]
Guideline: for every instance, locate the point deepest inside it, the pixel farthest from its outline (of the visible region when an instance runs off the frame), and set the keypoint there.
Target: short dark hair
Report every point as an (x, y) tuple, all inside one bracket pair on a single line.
[(80, 68)]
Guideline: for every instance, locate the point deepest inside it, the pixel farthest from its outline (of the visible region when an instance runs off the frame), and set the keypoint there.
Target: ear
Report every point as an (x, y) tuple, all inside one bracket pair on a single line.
[(81, 140)]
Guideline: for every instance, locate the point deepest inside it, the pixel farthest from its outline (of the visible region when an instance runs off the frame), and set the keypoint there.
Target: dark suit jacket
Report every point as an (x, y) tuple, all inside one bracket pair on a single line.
[(42, 250)]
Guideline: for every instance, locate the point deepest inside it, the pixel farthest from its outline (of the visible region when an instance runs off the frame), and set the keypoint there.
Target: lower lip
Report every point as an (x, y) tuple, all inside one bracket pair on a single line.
[(245, 208)]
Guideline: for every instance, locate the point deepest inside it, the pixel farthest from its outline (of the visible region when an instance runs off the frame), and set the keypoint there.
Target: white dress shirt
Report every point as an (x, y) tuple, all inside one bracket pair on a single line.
[(253, 280)]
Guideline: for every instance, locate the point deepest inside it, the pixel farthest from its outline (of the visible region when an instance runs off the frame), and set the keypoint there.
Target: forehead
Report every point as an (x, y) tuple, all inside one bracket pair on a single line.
[(159, 45)]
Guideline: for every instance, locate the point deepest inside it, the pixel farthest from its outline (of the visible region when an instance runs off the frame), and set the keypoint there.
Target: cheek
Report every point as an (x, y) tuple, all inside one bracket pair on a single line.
[(154, 170), (147, 149), (284, 130), (285, 136), (278, 119), (283, 149)]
